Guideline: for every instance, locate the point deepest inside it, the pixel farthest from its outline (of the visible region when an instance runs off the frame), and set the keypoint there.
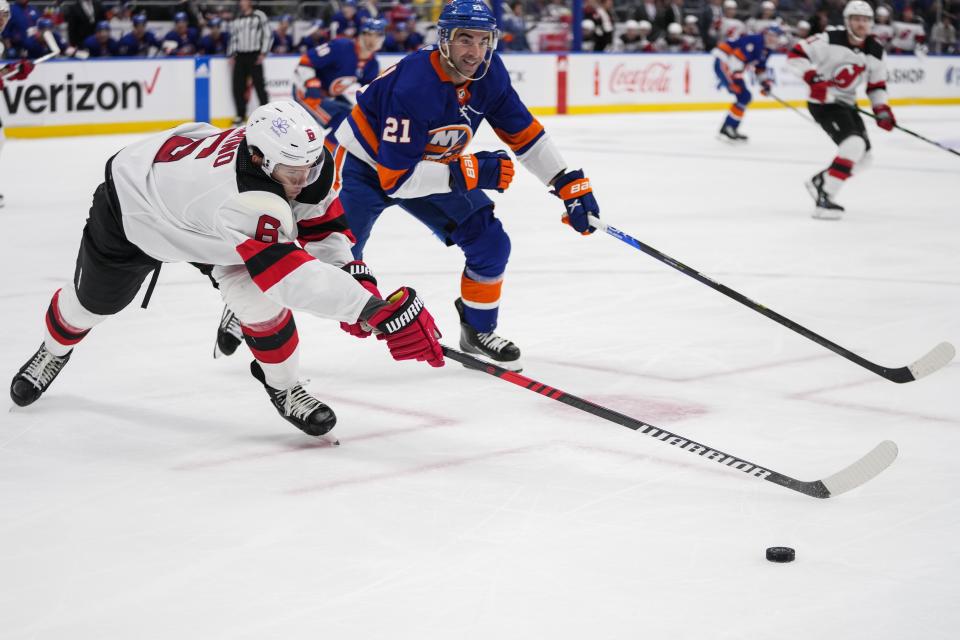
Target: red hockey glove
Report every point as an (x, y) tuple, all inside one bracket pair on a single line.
[(408, 328), (482, 170), (885, 119), (361, 273), (577, 196), (818, 85), (23, 69)]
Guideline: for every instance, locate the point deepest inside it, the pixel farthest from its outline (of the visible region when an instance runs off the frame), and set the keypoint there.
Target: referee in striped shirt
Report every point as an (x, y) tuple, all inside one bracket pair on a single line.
[(249, 43)]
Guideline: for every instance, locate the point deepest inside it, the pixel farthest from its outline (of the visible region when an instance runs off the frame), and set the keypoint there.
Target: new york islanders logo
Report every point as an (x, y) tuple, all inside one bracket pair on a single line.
[(444, 144)]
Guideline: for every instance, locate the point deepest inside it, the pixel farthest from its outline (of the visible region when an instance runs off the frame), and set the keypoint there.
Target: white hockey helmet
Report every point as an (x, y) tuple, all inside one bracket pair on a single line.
[(729, 4), (803, 24), (284, 133), (690, 20), (645, 26), (674, 29), (4, 6), (631, 24), (856, 8), (767, 5), (883, 12)]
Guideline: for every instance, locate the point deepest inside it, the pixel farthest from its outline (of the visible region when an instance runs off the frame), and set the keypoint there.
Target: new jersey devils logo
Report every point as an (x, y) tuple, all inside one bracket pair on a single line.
[(846, 75)]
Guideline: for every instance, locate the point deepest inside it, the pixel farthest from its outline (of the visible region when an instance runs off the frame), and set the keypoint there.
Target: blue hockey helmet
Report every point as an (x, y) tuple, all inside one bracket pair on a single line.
[(44, 23), (140, 18), (180, 16), (472, 15), (103, 25), (214, 22), (466, 14), (373, 25)]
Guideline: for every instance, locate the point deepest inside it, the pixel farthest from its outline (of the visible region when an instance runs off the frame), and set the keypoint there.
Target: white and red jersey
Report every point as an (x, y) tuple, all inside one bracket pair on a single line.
[(731, 29), (906, 36), (883, 33), (191, 194), (845, 65)]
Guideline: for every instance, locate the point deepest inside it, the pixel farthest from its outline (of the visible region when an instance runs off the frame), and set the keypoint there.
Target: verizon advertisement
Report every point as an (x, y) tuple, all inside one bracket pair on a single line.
[(87, 92)]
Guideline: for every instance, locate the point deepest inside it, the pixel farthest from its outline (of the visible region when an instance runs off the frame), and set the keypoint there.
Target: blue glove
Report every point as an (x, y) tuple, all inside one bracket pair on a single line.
[(578, 198), (482, 170)]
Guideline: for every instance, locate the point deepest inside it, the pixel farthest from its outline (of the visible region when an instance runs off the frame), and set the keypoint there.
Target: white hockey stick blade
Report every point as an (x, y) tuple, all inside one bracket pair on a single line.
[(939, 357), (863, 470), (51, 44)]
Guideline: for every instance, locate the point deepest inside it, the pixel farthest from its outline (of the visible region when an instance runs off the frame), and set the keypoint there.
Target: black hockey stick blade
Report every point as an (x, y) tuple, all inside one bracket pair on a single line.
[(861, 471), (935, 359), (912, 133)]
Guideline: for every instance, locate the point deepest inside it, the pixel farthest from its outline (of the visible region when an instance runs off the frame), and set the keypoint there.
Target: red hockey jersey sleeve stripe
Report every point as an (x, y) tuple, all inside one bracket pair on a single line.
[(269, 263), (333, 221), (797, 52)]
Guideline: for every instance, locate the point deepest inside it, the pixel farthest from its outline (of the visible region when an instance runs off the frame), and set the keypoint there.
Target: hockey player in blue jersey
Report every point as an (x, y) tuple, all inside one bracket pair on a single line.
[(733, 59), (406, 143), (327, 78)]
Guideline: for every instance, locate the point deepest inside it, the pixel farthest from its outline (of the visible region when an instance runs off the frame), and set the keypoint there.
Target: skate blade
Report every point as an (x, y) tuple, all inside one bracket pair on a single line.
[(730, 141), (515, 366)]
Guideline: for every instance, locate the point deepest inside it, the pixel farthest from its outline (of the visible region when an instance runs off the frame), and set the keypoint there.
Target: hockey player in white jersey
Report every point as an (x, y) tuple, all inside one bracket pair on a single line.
[(834, 64), (731, 27), (882, 30), (256, 203), (909, 35)]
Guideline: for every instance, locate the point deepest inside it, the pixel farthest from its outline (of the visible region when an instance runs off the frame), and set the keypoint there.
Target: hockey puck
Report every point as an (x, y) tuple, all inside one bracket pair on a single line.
[(781, 554)]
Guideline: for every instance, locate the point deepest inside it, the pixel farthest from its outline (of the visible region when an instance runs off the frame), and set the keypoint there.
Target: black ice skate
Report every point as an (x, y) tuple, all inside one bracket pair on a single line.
[(229, 334), (35, 376), (826, 209), (730, 134), (1, 200), (497, 350), (297, 406)]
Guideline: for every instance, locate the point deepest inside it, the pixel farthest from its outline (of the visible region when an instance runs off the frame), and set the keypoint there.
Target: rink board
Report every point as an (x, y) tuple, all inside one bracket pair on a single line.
[(121, 96)]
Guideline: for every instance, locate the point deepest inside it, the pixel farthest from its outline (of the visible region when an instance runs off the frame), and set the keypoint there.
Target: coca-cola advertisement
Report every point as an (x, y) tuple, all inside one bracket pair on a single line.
[(653, 77)]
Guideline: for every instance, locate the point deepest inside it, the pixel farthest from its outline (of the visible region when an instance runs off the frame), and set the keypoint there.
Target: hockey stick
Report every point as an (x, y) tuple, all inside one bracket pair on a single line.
[(935, 359), (51, 43), (861, 471), (912, 133), (791, 107)]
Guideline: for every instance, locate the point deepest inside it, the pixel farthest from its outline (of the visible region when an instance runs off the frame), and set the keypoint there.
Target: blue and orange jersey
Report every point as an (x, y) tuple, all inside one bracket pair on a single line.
[(337, 65), (748, 49), (413, 112)]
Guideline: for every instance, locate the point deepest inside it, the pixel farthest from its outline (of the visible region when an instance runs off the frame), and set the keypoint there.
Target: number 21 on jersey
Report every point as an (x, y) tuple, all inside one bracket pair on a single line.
[(390, 127)]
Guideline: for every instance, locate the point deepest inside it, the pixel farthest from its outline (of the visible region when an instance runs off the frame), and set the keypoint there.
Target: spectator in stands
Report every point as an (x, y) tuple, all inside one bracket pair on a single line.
[(139, 43), (346, 22), (215, 42), (601, 12), (882, 29), (636, 38), (588, 34), (400, 13), (672, 13), (943, 36), (766, 17), (556, 10), (649, 10), (515, 29), (192, 12), (691, 34), (36, 45), (22, 18), (121, 19), (731, 27), (909, 35), (182, 39), (82, 17), (709, 23), (403, 39), (316, 36), (282, 42), (101, 44), (672, 40)]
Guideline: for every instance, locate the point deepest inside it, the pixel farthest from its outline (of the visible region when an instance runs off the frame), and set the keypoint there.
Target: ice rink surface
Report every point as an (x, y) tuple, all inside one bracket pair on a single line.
[(154, 493)]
